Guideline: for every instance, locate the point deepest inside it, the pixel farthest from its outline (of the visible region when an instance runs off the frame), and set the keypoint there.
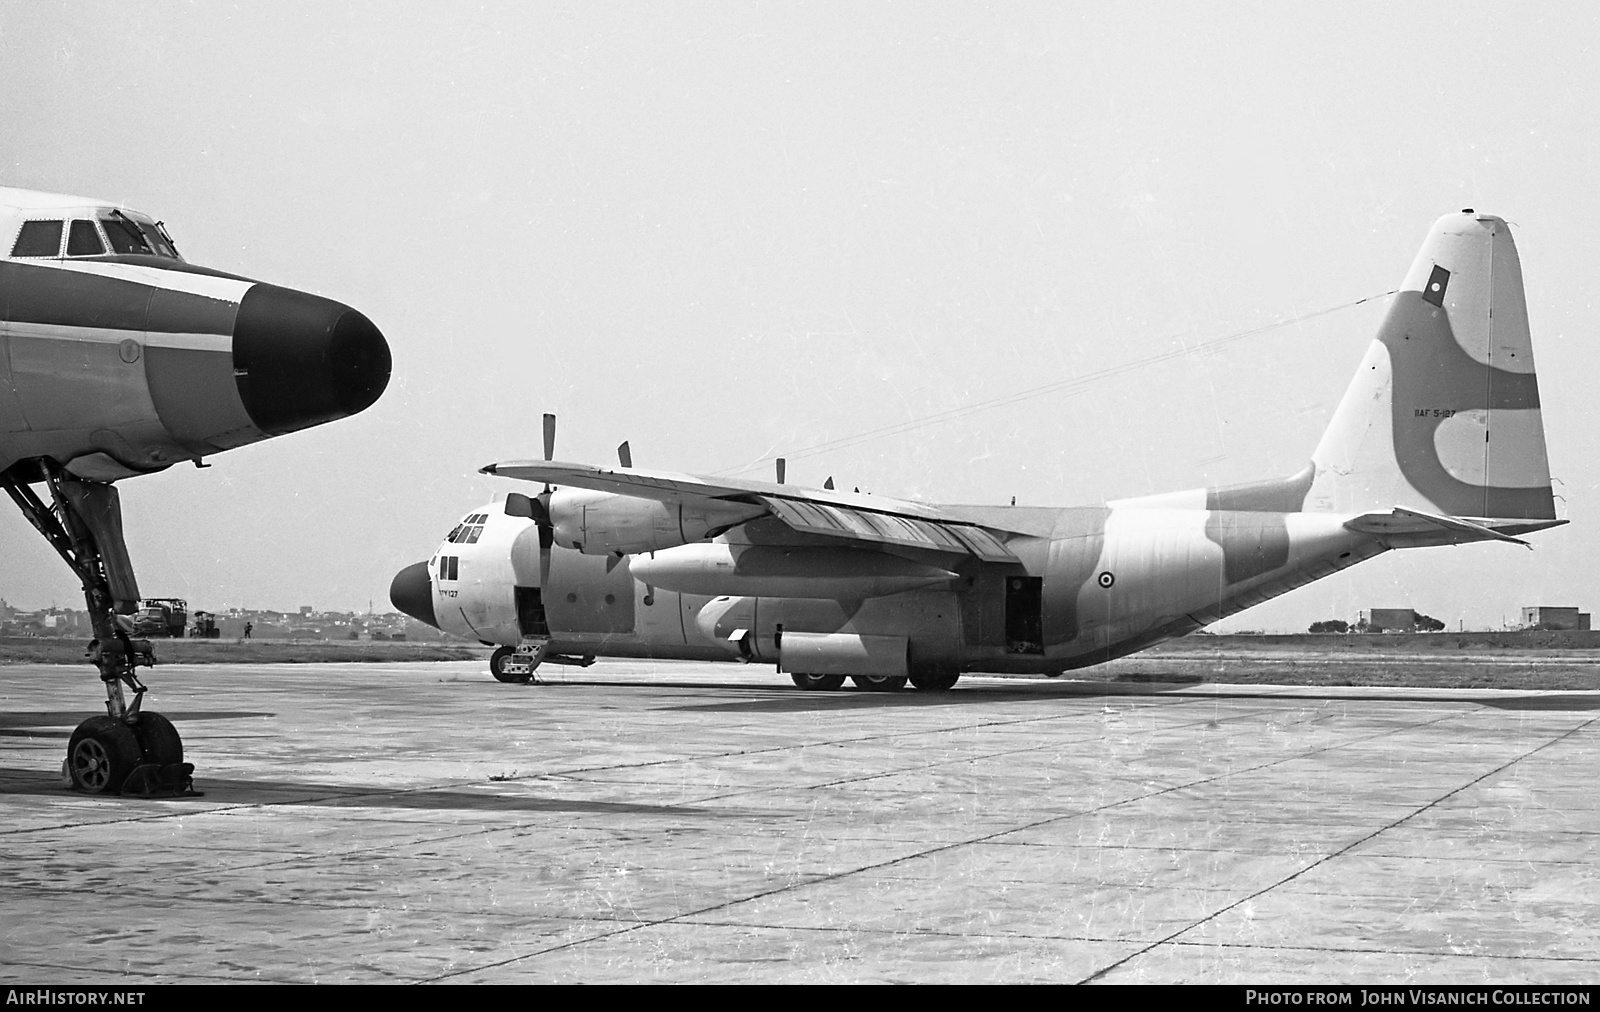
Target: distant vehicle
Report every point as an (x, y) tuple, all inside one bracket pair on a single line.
[(827, 584), (205, 626), (161, 617)]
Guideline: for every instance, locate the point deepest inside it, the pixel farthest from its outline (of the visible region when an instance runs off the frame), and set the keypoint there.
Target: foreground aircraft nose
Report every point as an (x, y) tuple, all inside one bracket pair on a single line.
[(300, 360), (412, 593)]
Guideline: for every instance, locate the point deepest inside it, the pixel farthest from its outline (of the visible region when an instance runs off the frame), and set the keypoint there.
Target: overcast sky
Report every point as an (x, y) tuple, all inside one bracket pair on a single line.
[(729, 232)]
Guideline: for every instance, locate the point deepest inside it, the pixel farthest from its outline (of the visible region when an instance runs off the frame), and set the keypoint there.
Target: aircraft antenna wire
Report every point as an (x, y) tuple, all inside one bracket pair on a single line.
[(1071, 383)]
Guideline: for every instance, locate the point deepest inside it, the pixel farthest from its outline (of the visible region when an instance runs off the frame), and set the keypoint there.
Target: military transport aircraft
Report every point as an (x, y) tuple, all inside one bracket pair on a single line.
[(1437, 441), (119, 358)]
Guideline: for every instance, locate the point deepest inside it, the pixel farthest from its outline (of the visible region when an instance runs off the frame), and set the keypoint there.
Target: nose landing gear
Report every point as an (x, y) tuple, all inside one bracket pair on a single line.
[(127, 751)]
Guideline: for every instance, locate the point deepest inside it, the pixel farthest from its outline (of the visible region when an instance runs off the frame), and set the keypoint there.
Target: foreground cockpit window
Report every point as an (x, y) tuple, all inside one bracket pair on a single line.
[(160, 241), (38, 239), (125, 236), (84, 240)]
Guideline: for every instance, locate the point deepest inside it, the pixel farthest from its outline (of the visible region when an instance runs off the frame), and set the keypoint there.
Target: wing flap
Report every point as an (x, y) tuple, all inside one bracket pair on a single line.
[(828, 520)]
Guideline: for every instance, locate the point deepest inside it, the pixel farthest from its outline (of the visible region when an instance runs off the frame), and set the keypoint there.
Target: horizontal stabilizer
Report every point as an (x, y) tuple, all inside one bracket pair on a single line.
[(1401, 522)]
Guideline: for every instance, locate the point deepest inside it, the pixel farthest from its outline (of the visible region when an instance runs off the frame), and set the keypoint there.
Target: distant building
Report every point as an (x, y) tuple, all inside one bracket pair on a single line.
[(1554, 618), (1388, 620)]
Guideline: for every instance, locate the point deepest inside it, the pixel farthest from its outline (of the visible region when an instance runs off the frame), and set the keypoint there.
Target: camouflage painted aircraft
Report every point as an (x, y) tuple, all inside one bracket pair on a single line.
[(120, 358), (1438, 441)]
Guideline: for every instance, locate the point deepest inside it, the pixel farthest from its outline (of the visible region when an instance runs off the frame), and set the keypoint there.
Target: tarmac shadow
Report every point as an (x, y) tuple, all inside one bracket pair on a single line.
[(60, 723), (227, 792)]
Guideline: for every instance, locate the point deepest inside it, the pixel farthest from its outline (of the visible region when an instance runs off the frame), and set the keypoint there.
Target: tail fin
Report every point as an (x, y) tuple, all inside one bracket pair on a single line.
[(1443, 416)]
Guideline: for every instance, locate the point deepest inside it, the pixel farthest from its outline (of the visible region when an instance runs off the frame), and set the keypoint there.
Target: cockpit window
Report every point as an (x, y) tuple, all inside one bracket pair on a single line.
[(124, 235), (38, 239), (160, 241), (83, 240)]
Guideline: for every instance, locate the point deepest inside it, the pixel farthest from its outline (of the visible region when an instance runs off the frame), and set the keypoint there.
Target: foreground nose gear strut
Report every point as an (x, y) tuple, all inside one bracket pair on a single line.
[(128, 751)]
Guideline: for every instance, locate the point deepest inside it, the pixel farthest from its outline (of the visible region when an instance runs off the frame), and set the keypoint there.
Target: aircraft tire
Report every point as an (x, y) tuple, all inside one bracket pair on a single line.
[(879, 683), (101, 754), (822, 683), (935, 683), (158, 739), (497, 662)]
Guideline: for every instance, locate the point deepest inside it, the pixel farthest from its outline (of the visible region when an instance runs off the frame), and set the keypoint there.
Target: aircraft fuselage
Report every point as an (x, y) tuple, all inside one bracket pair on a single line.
[(1091, 584)]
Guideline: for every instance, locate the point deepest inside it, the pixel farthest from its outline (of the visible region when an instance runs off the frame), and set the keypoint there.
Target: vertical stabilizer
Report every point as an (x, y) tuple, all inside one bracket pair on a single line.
[(1443, 415)]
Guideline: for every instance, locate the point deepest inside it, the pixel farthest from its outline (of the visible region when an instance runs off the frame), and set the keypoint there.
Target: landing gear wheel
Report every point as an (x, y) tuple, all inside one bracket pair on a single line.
[(101, 754), (823, 683), (879, 683), (158, 739), (497, 666), (934, 683)]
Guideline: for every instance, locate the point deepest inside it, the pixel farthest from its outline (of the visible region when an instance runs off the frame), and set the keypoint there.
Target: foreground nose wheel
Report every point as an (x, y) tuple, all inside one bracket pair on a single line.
[(110, 756), (101, 754)]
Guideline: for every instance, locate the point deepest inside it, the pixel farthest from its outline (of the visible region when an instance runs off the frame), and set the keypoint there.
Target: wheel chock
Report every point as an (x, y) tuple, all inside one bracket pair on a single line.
[(174, 780)]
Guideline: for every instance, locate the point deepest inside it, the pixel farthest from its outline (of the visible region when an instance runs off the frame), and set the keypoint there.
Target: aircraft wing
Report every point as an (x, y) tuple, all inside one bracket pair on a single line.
[(846, 515)]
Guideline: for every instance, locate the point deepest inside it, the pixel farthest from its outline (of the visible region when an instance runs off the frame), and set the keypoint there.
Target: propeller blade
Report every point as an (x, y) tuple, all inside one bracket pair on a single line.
[(549, 436), (547, 537), (782, 467), (625, 454)]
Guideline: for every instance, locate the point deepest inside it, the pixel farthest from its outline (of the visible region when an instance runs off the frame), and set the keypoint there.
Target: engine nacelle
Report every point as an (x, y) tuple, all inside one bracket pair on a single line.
[(842, 574), (604, 523)]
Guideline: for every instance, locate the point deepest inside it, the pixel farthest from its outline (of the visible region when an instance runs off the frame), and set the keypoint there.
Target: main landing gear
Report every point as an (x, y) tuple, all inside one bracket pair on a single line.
[(874, 683), (128, 751)]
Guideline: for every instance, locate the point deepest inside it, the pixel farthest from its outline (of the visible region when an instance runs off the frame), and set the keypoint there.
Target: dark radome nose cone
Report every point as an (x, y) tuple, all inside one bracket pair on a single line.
[(300, 360), (412, 593)]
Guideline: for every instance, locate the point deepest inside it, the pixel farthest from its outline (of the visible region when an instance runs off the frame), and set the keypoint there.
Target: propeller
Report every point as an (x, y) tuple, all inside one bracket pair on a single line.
[(547, 533)]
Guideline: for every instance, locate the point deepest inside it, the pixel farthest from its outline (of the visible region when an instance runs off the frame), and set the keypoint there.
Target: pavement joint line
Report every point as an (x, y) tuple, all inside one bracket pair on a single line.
[(1342, 851), (1585, 960), (940, 848), (1062, 937)]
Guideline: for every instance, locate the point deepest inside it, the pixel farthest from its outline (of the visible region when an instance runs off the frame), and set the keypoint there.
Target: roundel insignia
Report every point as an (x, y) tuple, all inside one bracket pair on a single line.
[(1106, 579)]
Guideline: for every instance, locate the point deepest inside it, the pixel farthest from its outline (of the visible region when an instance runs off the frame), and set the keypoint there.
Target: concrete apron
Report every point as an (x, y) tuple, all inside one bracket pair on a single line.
[(667, 822)]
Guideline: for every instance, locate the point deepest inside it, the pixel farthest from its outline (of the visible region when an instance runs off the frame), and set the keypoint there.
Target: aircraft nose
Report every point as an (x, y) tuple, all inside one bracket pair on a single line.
[(300, 360), (412, 593)]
